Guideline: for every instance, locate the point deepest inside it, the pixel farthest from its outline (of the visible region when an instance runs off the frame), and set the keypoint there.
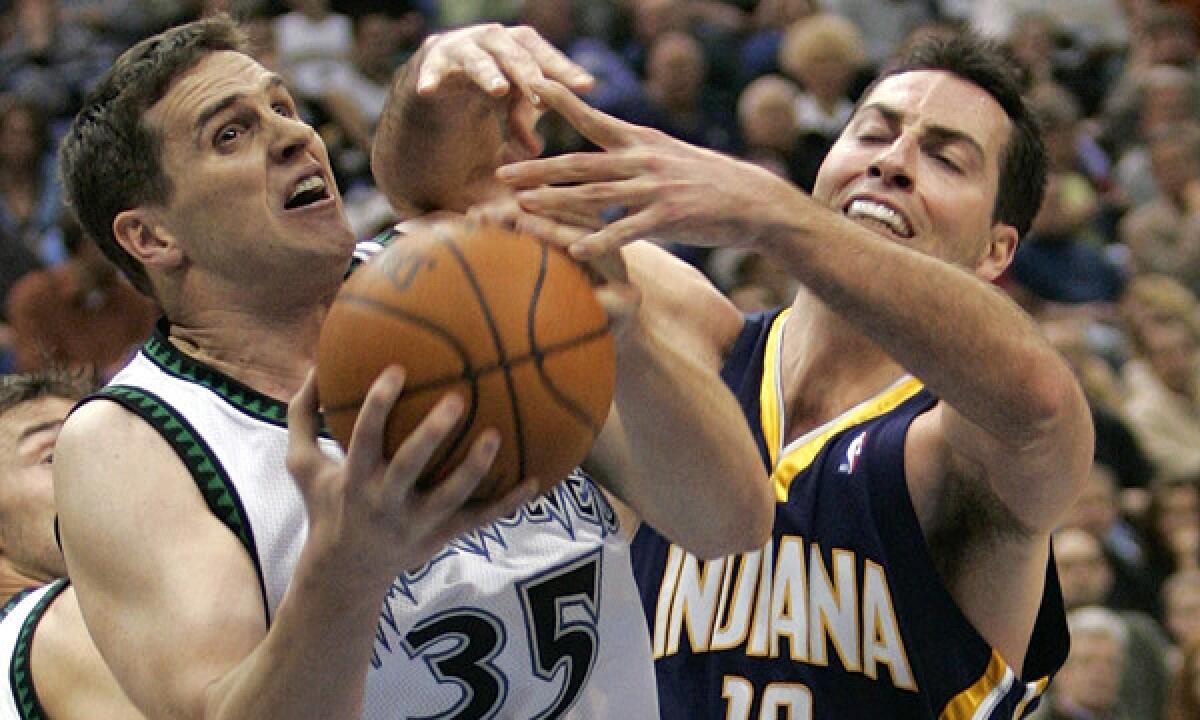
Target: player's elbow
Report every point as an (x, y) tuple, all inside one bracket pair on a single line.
[(743, 524)]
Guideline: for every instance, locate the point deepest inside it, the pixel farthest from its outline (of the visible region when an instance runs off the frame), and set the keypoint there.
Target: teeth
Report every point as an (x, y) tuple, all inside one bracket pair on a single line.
[(309, 184), (879, 213)]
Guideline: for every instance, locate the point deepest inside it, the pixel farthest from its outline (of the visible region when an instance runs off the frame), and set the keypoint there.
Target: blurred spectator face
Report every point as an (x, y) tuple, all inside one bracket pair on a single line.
[(1168, 99), (676, 68), (19, 138), (767, 114), (1092, 672), (1170, 348), (1181, 608), (1083, 570), (653, 18), (1095, 511), (375, 36), (1031, 38), (822, 52), (1173, 160), (1171, 43), (1178, 510)]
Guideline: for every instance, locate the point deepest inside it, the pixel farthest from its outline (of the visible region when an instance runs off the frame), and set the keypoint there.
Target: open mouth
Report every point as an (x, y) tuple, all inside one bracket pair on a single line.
[(879, 214), (311, 189)]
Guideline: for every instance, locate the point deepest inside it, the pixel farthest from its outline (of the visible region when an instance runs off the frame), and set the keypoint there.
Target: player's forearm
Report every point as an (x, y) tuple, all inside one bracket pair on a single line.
[(703, 484), (965, 339), (313, 661)]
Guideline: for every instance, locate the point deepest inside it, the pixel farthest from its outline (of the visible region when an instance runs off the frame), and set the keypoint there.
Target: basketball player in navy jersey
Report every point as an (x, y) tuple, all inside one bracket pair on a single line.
[(923, 437), (229, 560), (51, 669)]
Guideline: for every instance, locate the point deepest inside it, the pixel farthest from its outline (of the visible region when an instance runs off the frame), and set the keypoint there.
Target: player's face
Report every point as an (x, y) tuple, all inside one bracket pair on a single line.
[(919, 164), (251, 182), (27, 436)]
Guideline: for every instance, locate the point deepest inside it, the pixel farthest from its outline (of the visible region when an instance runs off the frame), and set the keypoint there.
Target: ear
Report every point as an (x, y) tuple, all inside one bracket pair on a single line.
[(148, 241), (998, 253)]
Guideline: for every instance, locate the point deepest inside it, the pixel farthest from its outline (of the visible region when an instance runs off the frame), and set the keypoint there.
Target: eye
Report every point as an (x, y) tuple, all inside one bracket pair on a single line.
[(947, 162), (47, 459), (227, 134), (283, 109)]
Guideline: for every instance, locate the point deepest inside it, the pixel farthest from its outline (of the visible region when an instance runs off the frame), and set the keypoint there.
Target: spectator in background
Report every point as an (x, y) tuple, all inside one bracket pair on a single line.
[(1087, 579), (1160, 317), (314, 45), (80, 314), (1185, 688), (50, 62), (1181, 607), (823, 53), (677, 99), (1163, 235), (768, 128), (884, 25), (1061, 260), (30, 196), (759, 54), (1132, 587), (1169, 529), (1086, 688)]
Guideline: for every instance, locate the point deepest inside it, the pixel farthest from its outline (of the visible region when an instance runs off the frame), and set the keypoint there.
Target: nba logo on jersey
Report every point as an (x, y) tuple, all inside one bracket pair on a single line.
[(853, 452)]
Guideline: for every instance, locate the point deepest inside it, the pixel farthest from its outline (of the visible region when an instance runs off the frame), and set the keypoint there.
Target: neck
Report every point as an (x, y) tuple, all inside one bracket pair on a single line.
[(271, 357), (14, 579), (828, 366)]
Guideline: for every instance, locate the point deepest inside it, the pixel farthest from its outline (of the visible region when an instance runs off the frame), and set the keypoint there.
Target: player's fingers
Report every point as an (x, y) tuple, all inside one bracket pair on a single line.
[(413, 455), (473, 516), (454, 490), (557, 234), (481, 67), (614, 236), (620, 302), (583, 167), (366, 439), (553, 63), (604, 130), (594, 199), (303, 454), (521, 123)]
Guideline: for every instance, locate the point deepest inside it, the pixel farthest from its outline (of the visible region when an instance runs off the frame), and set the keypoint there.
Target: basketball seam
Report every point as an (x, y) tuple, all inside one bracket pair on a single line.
[(501, 358)]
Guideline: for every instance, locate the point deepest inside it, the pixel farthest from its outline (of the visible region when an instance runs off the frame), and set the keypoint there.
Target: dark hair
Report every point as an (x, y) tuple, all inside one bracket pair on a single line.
[(988, 66), (110, 160), (19, 388)]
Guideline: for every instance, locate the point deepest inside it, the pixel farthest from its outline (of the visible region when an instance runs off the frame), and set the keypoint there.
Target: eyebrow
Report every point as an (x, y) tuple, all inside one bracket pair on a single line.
[(207, 114), (38, 428), (940, 134)]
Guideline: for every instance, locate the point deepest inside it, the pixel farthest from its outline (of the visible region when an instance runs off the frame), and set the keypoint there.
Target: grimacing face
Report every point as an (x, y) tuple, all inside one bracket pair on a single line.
[(238, 155), (919, 163), (27, 435)]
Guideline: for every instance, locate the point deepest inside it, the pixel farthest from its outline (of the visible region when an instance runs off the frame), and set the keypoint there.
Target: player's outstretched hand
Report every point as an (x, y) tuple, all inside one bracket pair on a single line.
[(663, 189), (494, 58), (366, 511)]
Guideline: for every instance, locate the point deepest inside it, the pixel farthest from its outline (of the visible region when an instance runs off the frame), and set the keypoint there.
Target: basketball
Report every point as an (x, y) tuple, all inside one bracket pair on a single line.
[(508, 322)]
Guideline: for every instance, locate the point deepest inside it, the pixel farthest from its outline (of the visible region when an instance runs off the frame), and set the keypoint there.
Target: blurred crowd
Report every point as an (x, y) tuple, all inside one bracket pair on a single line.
[(1111, 268)]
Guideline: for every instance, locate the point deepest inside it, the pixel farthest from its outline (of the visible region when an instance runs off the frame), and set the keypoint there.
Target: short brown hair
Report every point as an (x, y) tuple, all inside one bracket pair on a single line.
[(110, 160), (19, 388)]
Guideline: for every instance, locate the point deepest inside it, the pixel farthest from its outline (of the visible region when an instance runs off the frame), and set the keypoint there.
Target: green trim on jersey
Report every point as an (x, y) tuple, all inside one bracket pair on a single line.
[(202, 463), (172, 361), (20, 672)]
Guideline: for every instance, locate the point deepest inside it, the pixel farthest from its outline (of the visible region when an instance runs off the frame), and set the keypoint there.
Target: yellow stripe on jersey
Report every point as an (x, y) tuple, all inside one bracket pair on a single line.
[(769, 406), (799, 455), (997, 679), (1032, 690)]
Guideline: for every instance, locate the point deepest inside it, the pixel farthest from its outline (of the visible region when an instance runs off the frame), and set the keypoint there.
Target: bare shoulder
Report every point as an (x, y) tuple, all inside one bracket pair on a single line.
[(700, 314)]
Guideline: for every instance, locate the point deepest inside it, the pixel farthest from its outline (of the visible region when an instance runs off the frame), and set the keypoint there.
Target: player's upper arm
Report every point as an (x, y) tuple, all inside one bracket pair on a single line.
[(170, 596), (700, 318), (1036, 477)]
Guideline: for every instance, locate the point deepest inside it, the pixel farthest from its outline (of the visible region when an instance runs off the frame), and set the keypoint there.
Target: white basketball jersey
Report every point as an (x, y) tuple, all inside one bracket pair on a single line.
[(532, 616), (18, 620)]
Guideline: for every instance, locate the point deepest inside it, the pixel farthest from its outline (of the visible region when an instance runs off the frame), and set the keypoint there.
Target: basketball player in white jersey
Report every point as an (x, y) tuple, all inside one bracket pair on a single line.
[(229, 562), (51, 669)]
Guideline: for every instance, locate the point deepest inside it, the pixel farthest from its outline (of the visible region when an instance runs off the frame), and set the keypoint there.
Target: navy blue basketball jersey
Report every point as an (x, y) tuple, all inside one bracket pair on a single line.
[(842, 615)]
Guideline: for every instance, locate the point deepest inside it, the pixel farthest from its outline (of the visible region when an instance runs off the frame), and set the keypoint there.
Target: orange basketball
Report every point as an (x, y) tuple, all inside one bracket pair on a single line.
[(504, 320)]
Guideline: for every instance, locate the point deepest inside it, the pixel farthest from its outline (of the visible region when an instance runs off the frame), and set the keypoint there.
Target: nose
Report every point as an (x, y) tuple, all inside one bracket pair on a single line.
[(292, 136), (894, 164)]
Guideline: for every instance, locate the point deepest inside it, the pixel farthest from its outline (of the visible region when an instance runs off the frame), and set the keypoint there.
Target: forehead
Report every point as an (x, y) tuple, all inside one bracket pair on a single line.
[(19, 420), (937, 98), (215, 76)]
